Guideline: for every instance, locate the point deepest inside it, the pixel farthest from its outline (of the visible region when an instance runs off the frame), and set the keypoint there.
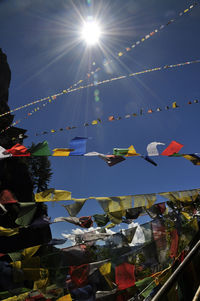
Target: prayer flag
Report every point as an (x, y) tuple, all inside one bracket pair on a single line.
[(6, 197), (75, 208), (174, 105), (193, 158), (41, 149), (8, 231), (26, 214), (174, 243), (120, 151), (131, 152), (112, 159), (91, 154), (65, 298), (149, 160), (51, 195), (125, 275), (101, 219), (79, 146), (18, 150), (173, 147), (79, 274), (62, 152), (152, 148), (3, 153), (111, 118)]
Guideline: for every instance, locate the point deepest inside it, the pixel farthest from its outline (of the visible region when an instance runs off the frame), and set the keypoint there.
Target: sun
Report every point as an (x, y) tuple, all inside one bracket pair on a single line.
[(91, 32)]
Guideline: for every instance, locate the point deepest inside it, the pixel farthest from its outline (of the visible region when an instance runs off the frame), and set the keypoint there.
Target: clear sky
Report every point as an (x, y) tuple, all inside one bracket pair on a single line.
[(46, 55)]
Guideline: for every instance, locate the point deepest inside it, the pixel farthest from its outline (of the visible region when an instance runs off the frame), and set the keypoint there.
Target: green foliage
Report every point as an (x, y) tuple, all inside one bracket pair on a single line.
[(40, 171)]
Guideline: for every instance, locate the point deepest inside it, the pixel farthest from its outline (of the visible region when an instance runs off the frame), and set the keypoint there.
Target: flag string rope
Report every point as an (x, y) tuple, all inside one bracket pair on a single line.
[(54, 97)]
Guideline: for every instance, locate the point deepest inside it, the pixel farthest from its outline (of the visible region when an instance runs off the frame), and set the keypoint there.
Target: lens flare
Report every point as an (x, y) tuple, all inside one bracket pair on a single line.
[(91, 32)]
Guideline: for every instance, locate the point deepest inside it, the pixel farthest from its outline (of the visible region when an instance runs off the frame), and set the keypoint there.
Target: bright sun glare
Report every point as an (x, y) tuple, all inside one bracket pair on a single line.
[(91, 32)]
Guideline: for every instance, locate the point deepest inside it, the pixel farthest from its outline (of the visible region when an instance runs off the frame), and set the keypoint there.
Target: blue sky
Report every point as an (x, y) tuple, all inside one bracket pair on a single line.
[(40, 39)]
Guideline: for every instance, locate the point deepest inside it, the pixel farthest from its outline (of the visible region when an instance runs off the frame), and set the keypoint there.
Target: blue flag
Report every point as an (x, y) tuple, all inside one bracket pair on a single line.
[(79, 146)]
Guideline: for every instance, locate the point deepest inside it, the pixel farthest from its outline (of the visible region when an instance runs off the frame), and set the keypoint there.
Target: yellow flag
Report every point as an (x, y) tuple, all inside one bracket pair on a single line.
[(29, 252), (62, 195), (40, 283), (105, 269), (139, 201), (65, 298), (94, 122), (186, 215), (52, 195), (131, 152), (188, 195), (174, 105), (151, 198), (20, 297), (64, 152), (8, 231), (120, 203)]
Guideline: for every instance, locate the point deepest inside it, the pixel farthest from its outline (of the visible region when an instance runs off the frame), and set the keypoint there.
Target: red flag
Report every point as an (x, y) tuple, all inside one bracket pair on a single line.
[(6, 197), (79, 274), (18, 150), (174, 243), (125, 275), (173, 147)]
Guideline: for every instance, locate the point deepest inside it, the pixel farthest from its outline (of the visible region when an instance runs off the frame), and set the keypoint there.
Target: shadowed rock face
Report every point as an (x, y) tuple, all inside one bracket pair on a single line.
[(5, 77), (6, 138), (14, 173)]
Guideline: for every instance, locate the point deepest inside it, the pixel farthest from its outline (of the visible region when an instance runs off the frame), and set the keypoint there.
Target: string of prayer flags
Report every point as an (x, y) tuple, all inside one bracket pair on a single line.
[(97, 84), (52, 195), (173, 147), (119, 54), (152, 148), (142, 113)]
